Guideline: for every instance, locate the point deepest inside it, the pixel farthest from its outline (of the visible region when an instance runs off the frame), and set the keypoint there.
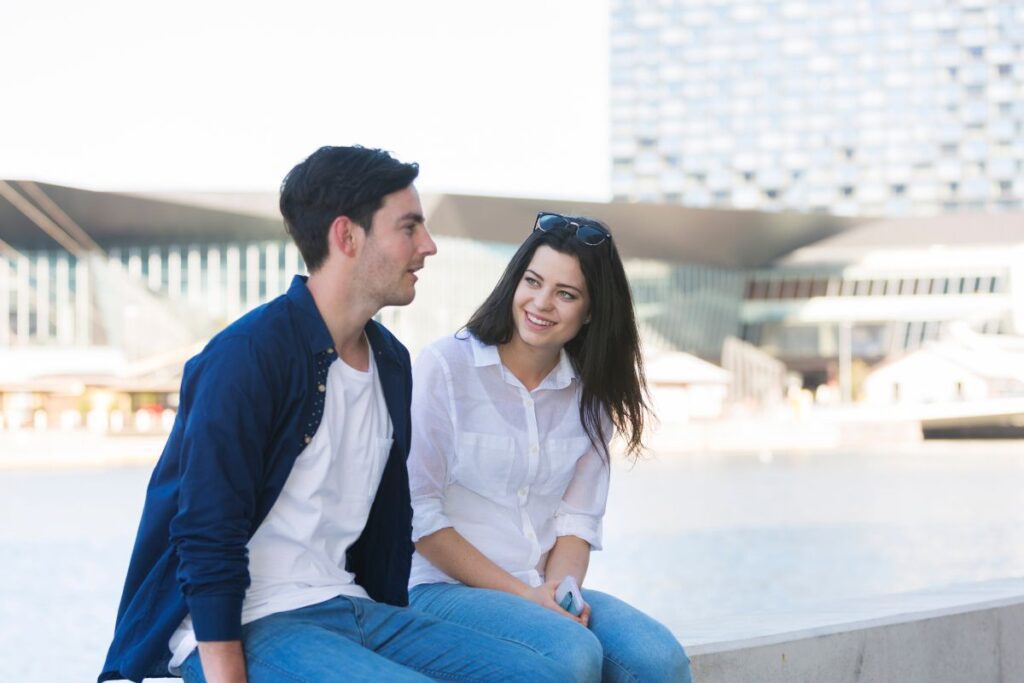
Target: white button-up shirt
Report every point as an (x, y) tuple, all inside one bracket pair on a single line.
[(509, 469)]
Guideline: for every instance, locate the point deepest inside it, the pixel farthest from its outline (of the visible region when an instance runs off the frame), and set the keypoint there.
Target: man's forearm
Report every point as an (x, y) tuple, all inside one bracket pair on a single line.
[(223, 661)]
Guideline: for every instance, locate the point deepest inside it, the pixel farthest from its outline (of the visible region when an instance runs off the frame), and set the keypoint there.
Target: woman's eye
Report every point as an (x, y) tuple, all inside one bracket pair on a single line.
[(568, 296), (530, 281)]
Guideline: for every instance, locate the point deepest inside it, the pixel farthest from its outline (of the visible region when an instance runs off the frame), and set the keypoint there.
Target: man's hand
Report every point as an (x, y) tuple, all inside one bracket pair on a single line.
[(223, 661), (544, 595)]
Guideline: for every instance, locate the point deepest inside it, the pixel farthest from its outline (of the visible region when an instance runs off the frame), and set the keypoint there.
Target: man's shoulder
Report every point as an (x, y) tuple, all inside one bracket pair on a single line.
[(267, 331)]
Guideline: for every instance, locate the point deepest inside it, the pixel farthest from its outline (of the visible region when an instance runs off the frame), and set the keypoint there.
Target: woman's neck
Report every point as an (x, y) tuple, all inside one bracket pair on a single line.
[(530, 365)]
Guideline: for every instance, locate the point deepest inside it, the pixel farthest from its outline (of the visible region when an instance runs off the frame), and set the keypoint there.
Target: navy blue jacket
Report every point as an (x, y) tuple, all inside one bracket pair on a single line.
[(249, 403)]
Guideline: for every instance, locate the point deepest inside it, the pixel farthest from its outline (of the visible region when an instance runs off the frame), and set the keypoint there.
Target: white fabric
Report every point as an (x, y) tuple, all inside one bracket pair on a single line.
[(297, 555), (509, 469)]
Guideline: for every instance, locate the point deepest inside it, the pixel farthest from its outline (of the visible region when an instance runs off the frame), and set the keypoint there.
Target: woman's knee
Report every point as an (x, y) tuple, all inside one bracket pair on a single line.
[(658, 657), (581, 652)]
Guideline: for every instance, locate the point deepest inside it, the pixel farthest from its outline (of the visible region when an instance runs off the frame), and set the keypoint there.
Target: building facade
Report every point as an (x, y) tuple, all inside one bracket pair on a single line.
[(880, 108)]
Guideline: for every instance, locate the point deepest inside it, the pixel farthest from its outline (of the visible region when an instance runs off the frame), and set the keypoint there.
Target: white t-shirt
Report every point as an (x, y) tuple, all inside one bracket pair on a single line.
[(510, 469), (297, 555)]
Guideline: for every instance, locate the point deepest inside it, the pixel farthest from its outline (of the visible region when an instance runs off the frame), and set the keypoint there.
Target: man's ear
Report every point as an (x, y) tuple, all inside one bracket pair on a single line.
[(343, 235)]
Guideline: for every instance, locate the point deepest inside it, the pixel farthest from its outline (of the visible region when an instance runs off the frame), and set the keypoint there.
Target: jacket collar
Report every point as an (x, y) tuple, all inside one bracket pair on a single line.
[(316, 334)]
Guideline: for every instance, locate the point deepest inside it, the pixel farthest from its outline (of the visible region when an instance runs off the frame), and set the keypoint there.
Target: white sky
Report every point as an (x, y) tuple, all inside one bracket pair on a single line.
[(505, 98)]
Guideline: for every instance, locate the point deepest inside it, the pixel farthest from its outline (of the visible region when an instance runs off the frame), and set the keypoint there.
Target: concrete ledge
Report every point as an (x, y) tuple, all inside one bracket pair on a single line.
[(972, 632)]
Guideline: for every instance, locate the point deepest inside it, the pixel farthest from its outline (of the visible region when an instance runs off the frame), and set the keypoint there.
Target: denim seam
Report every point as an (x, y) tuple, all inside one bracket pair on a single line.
[(621, 667), (277, 669)]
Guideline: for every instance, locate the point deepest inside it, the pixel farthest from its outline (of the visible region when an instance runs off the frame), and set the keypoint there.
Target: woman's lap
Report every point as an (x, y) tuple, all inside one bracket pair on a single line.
[(621, 640)]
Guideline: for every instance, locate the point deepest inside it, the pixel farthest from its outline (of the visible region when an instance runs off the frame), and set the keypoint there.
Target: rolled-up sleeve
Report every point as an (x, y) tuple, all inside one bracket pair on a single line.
[(432, 443), (581, 511), (230, 415)]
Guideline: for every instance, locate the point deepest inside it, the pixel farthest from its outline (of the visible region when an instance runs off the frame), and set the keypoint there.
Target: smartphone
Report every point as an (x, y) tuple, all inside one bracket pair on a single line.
[(568, 596)]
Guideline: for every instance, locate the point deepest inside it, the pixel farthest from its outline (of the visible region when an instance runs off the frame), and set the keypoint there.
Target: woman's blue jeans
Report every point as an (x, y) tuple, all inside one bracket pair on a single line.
[(355, 639), (621, 644)]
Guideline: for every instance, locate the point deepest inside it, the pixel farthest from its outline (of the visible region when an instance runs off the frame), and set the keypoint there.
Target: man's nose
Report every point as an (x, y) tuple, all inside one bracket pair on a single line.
[(429, 247)]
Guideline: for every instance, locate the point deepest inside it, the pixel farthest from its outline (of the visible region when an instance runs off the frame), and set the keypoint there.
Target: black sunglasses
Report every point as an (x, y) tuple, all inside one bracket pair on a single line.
[(589, 232)]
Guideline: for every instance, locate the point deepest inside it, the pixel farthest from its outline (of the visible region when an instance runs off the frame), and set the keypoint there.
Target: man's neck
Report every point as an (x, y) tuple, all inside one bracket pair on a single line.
[(345, 313)]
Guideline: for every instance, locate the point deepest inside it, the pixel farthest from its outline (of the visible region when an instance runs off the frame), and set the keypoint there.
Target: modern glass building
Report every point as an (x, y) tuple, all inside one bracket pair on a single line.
[(882, 107)]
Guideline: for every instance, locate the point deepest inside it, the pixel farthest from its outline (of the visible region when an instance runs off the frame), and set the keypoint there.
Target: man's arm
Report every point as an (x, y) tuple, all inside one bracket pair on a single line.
[(227, 432), (223, 661)]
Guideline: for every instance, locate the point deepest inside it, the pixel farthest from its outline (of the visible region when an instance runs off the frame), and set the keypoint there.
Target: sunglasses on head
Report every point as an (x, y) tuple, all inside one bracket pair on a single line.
[(587, 231)]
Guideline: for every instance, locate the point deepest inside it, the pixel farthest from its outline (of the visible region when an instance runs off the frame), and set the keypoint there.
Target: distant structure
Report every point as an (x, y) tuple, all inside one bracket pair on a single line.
[(104, 295), (848, 108)]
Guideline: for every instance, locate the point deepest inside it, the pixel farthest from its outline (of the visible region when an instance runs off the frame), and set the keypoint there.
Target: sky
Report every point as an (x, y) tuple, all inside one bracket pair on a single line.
[(505, 98)]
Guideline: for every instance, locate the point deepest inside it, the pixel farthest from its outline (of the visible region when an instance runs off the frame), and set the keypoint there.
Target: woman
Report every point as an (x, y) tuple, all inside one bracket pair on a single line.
[(509, 464)]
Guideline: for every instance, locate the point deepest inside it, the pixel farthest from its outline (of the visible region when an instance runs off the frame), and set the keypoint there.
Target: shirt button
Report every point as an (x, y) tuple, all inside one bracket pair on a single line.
[(522, 493), (527, 402), (534, 450), (322, 388)]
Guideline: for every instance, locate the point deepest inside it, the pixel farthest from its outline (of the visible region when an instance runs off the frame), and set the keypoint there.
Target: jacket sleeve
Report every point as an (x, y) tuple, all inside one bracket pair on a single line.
[(229, 404)]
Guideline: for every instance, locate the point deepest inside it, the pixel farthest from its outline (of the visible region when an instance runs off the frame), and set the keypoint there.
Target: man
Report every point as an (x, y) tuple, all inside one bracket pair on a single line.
[(275, 538)]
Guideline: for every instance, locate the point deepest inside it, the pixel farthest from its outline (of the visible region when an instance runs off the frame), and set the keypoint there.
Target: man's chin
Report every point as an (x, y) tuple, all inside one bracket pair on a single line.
[(402, 298)]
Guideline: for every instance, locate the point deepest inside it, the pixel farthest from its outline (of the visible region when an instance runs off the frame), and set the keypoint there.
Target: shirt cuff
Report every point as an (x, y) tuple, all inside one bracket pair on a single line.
[(216, 617), (581, 526), (428, 517)]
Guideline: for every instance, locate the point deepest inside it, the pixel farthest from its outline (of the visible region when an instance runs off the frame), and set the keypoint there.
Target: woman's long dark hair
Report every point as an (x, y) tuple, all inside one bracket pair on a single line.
[(606, 351)]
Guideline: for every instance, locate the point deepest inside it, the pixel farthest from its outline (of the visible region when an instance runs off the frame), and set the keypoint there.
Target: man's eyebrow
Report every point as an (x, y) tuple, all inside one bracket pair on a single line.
[(414, 217), (557, 284)]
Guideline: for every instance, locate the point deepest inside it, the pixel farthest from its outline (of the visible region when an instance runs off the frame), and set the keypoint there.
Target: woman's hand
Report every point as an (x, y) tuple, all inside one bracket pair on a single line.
[(544, 595)]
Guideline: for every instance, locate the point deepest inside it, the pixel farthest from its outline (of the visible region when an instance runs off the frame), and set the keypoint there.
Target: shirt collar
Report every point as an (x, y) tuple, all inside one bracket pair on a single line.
[(316, 334), (559, 378), (313, 326)]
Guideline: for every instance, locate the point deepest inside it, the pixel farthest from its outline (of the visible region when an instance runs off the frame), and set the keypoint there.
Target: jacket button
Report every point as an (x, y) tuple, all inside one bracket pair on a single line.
[(322, 388), (307, 438)]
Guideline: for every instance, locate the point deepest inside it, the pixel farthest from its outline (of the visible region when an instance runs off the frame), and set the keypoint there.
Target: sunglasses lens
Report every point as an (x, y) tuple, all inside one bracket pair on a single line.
[(590, 236), (550, 221)]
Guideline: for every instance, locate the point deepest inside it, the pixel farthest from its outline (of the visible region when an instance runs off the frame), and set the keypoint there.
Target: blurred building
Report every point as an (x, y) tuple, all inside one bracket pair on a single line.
[(850, 108), (886, 288), (104, 295)]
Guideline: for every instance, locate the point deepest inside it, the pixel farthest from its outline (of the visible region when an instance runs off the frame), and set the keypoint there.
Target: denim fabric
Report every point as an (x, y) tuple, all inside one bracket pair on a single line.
[(621, 644), (355, 639)]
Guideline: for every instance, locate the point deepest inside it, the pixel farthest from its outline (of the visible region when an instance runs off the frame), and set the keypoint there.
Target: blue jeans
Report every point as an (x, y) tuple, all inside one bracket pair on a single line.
[(621, 644), (355, 639)]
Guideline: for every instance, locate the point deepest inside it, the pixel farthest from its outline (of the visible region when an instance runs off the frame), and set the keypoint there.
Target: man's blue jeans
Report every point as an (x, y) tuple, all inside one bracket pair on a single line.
[(355, 639), (621, 644)]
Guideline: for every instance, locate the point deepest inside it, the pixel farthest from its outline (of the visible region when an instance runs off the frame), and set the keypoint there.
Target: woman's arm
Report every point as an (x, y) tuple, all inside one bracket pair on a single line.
[(458, 558), (570, 556)]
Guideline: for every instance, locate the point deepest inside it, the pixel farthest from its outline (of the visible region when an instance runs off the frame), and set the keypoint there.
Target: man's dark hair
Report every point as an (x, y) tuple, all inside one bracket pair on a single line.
[(338, 181)]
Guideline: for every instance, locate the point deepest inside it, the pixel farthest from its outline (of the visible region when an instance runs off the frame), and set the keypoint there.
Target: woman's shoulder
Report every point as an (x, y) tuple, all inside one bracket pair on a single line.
[(452, 350)]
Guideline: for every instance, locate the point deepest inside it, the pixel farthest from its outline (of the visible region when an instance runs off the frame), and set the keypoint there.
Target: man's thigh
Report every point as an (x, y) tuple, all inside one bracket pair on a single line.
[(309, 645), (445, 650)]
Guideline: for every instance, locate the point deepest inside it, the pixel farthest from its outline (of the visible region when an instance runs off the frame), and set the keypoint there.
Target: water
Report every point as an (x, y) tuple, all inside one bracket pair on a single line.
[(684, 538)]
